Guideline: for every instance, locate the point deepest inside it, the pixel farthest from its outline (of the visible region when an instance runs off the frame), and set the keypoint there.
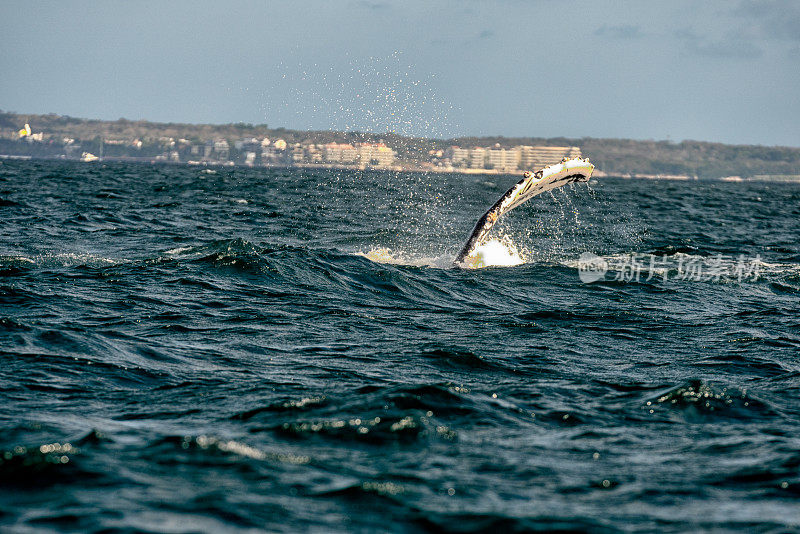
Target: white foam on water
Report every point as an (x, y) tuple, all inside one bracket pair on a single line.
[(21, 259), (67, 259), (388, 256), (493, 253), (177, 250)]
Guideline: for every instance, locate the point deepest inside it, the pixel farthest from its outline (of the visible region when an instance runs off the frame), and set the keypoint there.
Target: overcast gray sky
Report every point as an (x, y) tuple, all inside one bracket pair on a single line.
[(725, 71)]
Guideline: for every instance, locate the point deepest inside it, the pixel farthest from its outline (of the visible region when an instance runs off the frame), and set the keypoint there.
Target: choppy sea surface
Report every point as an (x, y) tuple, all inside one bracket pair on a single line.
[(247, 350)]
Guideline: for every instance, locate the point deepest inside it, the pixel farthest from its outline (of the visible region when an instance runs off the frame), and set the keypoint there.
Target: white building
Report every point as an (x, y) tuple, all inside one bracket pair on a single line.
[(522, 157), (459, 157), (477, 158), (375, 155), (222, 148), (343, 154), (298, 153), (536, 157), (503, 159)]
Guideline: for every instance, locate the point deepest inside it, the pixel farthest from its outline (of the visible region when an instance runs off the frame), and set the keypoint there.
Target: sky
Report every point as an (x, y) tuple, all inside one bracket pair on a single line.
[(723, 71)]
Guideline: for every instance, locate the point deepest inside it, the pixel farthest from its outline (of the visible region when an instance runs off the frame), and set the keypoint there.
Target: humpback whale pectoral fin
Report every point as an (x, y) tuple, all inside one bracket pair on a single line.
[(531, 184)]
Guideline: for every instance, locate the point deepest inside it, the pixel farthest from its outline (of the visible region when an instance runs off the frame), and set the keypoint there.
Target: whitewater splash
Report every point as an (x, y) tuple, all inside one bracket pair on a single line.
[(492, 253)]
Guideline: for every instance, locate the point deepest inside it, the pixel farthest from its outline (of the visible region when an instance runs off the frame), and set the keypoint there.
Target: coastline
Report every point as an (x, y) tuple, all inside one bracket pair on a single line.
[(598, 174)]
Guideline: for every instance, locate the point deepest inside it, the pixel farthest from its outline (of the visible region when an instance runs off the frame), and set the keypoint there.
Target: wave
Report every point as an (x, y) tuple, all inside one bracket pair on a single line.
[(500, 252), (698, 400), (57, 259), (31, 467), (290, 270), (683, 264)]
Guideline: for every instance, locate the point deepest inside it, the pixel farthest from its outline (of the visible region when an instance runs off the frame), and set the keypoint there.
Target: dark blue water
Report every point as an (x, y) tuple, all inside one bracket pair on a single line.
[(190, 351)]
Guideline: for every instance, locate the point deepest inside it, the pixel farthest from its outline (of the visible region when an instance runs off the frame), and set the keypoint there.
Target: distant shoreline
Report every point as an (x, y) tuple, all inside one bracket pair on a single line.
[(406, 169), (53, 136)]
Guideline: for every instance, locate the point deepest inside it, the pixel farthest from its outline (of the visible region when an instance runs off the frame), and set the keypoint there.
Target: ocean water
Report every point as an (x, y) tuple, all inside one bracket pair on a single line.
[(247, 350)]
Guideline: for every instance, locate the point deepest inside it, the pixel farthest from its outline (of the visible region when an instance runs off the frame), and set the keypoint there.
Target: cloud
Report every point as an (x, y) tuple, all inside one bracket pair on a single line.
[(725, 49), (773, 19), (624, 31), (472, 39), (732, 46), (372, 5)]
